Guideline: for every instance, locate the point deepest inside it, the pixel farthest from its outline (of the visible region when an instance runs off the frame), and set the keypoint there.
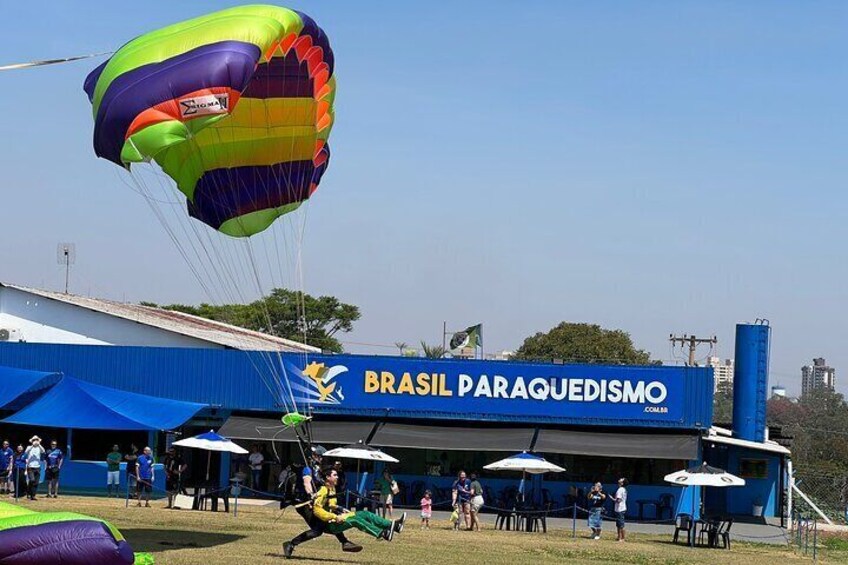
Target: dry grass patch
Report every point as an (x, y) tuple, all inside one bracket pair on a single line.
[(203, 538)]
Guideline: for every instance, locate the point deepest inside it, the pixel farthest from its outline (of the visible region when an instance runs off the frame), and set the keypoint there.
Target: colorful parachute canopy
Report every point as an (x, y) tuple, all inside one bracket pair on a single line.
[(235, 106), (27, 536)]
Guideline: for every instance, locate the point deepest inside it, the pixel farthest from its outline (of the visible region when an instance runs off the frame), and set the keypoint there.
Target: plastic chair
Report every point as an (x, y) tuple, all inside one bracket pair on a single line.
[(723, 534), (505, 520), (709, 528), (683, 523), (666, 502)]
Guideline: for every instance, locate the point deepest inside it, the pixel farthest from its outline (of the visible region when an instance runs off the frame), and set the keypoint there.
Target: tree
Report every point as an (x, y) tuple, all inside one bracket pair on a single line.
[(432, 351), (401, 345), (284, 313), (818, 425), (723, 407), (583, 343)]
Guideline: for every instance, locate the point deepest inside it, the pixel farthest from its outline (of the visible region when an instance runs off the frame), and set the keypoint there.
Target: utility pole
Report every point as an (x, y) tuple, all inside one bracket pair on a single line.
[(66, 254), (693, 342)]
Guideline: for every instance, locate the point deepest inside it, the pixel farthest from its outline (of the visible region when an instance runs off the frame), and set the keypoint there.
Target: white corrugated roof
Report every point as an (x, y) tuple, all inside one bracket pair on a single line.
[(719, 435), (177, 322)]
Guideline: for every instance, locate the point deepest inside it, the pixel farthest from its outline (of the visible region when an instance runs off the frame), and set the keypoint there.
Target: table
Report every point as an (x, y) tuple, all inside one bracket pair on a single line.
[(214, 494)]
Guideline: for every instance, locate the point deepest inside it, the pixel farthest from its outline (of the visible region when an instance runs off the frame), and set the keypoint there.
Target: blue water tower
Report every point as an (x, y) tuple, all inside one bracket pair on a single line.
[(750, 381)]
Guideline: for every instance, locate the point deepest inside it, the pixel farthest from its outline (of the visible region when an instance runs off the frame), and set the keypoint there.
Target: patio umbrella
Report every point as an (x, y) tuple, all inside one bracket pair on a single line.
[(526, 463), (210, 442), (360, 451), (705, 476)]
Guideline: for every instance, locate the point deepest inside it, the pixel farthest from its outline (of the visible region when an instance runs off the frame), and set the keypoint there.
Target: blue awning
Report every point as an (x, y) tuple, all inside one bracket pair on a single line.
[(73, 403), (18, 387)]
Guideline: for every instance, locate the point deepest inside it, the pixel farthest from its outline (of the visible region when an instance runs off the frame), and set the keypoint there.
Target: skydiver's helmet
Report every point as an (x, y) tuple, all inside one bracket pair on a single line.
[(318, 452)]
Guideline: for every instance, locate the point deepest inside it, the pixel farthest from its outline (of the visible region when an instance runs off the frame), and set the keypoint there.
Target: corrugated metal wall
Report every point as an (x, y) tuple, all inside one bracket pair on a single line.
[(231, 379), (219, 377)]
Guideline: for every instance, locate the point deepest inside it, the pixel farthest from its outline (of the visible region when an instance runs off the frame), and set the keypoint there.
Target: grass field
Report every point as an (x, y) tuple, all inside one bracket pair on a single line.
[(255, 537)]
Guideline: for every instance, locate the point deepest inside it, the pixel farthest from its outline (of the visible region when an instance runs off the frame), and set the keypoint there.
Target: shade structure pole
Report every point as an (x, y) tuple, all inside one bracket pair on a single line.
[(208, 465), (694, 518)]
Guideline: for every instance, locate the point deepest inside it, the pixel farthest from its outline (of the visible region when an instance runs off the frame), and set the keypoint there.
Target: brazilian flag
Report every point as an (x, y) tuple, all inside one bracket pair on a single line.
[(471, 337)]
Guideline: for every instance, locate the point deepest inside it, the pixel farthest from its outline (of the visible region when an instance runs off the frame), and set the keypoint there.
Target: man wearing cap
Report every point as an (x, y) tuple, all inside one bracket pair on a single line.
[(7, 458), (34, 454)]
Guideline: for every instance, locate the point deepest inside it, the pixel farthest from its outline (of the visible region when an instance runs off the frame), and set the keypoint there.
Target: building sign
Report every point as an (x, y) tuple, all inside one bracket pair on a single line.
[(585, 394)]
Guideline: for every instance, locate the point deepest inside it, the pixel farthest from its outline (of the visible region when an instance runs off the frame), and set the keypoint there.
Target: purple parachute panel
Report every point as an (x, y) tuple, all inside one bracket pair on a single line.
[(74, 542)]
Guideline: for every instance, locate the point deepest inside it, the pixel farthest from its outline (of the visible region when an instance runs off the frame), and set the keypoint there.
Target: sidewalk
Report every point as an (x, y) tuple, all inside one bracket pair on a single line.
[(758, 533)]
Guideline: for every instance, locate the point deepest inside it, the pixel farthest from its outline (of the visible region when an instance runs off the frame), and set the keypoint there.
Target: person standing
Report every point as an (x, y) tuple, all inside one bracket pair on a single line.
[(596, 497), (620, 507), (477, 501), (55, 460), (388, 488), (145, 476), (256, 460), (132, 478), (113, 471), (461, 497), (35, 454), (426, 510), (174, 469), (20, 471), (7, 468)]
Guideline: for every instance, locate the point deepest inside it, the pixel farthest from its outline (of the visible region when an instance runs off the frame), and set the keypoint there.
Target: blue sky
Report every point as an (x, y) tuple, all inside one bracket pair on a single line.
[(652, 166)]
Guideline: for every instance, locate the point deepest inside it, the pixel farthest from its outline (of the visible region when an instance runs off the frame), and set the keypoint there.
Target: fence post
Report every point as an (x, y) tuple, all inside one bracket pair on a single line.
[(815, 539), (806, 537), (574, 520)]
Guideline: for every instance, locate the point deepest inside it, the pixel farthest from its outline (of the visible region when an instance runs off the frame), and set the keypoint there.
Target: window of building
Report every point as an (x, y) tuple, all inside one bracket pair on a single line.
[(753, 468)]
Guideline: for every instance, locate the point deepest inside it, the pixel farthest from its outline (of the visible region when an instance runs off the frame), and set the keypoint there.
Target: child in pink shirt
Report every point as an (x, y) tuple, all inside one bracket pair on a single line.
[(426, 510)]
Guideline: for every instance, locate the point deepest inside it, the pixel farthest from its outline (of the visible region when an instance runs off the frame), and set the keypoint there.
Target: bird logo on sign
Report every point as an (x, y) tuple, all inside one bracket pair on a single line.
[(323, 379)]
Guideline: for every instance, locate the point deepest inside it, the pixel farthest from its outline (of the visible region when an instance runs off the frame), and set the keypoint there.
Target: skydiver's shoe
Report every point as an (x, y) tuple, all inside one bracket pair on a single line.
[(288, 549), (399, 523), (351, 547), (389, 532)]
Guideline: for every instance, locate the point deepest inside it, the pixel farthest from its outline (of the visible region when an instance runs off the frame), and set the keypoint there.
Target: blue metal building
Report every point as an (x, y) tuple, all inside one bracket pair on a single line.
[(599, 421)]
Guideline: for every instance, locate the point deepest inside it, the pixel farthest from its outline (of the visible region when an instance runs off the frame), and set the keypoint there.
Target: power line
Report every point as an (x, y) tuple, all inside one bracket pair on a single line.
[(693, 342)]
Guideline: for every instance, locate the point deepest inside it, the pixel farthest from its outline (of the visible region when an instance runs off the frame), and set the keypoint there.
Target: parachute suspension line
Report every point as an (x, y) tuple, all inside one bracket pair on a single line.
[(209, 266), (161, 218), (167, 225), (234, 274), (268, 318)]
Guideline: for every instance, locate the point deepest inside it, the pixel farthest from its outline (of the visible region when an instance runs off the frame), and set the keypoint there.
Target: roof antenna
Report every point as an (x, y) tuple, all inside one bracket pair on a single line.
[(66, 254)]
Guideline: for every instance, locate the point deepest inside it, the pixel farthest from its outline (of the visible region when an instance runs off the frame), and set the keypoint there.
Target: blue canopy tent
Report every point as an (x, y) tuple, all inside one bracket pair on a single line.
[(72, 403), (18, 387)]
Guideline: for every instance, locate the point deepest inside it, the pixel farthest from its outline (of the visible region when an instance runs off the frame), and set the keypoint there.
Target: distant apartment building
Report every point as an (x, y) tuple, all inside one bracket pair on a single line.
[(778, 391), (817, 376), (722, 374)]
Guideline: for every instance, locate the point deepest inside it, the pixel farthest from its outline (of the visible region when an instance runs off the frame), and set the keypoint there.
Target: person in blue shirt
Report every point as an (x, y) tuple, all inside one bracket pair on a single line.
[(55, 459), (7, 458), (20, 465), (461, 492), (145, 476)]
